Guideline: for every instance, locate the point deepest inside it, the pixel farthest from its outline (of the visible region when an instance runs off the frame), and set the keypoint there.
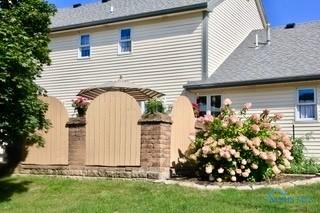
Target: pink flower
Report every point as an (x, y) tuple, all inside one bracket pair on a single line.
[(225, 124), (255, 128), (242, 139), (208, 118), (270, 143), (238, 171), (266, 125), (255, 118), (271, 156), (247, 106), (233, 152), (227, 102), (233, 178), (263, 156), (281, 146), (233, 119), (206, 150), (245, 174), (256, 141), (287, 154), (249, 143), (256, 152), (278, 116)]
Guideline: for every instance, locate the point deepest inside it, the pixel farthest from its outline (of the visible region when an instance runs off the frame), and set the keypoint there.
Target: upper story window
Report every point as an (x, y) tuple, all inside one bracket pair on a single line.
[(306, 104), (84, 49), (125, 41)]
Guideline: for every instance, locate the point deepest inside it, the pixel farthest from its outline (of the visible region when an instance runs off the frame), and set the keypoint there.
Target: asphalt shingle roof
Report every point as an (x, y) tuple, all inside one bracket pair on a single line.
[(96, 12), (292, 55)]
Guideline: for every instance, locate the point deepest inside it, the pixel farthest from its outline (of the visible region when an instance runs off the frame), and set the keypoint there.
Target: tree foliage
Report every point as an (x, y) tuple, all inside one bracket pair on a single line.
[(24, 38)]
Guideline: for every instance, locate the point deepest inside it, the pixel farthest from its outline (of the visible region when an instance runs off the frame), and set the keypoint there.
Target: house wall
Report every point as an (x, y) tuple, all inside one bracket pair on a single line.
[(278, 98), (166, 54), (228, 25)]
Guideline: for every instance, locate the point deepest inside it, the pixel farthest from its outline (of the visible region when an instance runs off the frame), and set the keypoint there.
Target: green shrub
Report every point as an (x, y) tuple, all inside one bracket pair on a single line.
[(301, 164), (237, 147), (154, 106)]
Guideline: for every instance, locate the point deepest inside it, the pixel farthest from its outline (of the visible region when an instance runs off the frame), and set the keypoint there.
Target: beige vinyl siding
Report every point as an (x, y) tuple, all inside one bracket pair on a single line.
[(228, 25), (282, 99), (166, 54)]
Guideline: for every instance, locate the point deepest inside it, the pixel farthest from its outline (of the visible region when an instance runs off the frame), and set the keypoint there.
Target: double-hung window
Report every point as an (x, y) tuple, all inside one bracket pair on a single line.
[(125, 41), (306, 108), (84, 49)]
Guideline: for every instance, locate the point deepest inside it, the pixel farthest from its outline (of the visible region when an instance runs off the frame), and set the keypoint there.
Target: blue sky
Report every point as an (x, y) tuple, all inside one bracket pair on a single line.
[(279, 12)]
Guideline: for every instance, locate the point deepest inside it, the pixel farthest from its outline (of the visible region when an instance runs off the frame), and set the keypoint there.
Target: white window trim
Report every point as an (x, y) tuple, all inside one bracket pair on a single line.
[(119, 41), (81, 46), (299, 104)]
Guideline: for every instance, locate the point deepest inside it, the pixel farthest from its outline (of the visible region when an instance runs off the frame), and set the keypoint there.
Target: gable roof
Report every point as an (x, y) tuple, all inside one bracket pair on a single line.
[(99, 13), (293, 55)]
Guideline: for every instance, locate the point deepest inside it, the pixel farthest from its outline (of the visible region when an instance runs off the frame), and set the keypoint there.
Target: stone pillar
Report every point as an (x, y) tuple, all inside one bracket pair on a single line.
[(77, 141), (155, 145)]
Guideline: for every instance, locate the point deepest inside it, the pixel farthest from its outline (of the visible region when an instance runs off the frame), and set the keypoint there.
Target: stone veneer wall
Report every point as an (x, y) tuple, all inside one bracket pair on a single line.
[(155, 144), (155, 153), (77, 141)]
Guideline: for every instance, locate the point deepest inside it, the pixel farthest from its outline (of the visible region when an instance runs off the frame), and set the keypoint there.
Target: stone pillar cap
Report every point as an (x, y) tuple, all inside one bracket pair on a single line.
[(155, 118)]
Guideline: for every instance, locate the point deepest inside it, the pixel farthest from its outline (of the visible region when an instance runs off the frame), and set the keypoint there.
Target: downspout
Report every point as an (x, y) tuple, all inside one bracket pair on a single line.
[(204, 45), (261, 13)]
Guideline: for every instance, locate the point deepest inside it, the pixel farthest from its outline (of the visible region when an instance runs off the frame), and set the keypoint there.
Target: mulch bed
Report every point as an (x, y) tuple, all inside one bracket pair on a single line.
[(277, 180)]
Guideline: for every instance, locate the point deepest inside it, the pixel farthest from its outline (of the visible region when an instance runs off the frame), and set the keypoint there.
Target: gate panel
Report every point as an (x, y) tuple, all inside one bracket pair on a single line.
[(55, 150), (183, 125), (113, 133)]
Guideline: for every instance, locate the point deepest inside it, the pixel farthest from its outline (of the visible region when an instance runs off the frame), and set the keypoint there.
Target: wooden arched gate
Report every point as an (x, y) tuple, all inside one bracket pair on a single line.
[(183, 125), (55, 150), (112, 131)]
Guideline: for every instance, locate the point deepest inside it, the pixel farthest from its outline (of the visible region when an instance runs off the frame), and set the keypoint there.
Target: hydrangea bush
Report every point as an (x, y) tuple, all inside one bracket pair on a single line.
[(238, 147)]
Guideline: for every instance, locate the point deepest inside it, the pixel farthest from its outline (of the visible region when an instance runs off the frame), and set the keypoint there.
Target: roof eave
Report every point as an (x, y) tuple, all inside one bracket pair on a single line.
[(203, 5), (252, 82)]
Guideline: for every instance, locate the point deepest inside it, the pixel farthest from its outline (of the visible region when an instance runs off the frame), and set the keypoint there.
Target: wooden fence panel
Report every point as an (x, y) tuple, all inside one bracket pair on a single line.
[(55, 150), (183, 125), (112, 131)]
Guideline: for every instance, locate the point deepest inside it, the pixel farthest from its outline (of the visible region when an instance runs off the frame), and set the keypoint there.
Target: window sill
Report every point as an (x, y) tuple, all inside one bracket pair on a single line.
[(84, 58), (125, 54), (305, 121)]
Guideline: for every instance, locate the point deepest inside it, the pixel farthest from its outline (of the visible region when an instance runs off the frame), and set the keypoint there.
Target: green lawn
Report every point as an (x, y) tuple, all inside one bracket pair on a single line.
[(50, 194)]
